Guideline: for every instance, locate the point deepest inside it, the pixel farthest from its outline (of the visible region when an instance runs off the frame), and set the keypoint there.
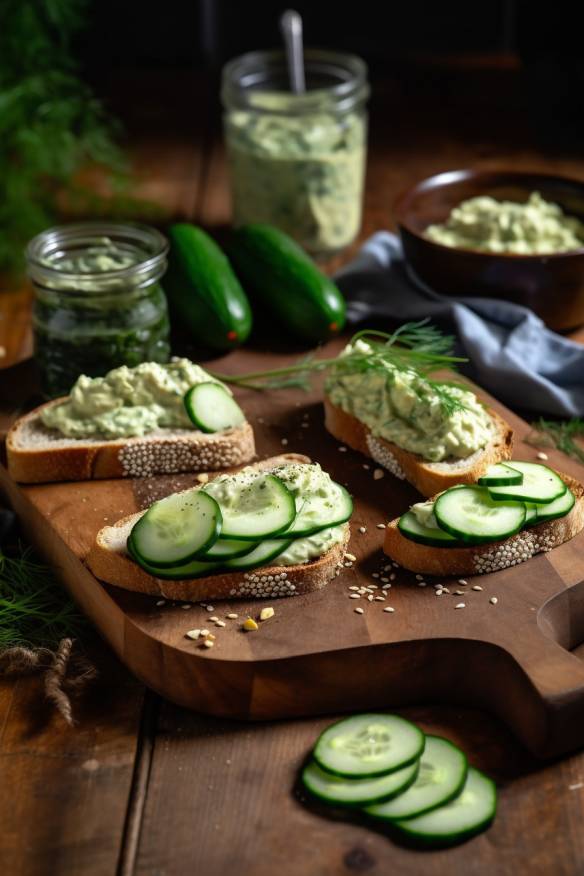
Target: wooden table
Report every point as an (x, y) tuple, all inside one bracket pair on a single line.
[(140, 786)]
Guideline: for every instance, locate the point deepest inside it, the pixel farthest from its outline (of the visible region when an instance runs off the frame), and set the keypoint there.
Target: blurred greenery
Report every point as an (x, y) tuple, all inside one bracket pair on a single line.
[(51, 124)]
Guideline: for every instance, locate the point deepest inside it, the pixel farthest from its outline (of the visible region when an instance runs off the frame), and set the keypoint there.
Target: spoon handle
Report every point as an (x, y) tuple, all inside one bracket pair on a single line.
[(291, 26)]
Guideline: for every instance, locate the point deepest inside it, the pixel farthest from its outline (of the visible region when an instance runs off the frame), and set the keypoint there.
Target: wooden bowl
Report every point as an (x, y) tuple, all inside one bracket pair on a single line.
[(551, 285)]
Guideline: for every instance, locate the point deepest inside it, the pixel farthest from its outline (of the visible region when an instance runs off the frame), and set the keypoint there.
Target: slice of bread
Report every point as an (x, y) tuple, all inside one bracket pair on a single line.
[(490, 557), (38, 455), (109, 561), (427, 477)]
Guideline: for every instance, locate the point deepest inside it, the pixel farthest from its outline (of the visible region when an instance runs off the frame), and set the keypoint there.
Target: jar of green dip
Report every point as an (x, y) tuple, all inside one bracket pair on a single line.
[(98, 301), (297, 161)]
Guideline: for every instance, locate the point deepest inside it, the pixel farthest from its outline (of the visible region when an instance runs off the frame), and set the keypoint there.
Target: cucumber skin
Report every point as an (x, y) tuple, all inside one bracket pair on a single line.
[(345, 804), (286, 282), (204, 291)]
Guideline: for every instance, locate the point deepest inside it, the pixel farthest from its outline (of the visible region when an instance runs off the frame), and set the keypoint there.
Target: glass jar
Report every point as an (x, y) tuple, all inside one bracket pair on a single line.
[(98, 303), (297, 161)]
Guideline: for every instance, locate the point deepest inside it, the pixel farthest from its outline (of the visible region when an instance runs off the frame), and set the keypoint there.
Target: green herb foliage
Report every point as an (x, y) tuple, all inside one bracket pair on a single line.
[(51, 124), (415, 346), (35, 610), (562, 434)]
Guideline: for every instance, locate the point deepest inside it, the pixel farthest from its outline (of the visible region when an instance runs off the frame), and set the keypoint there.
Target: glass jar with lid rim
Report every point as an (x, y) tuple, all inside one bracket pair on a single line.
[(297, 161), (98, 302)]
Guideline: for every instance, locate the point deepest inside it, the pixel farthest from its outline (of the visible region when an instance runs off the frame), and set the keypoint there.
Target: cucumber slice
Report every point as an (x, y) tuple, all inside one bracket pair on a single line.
[(410, 526), (355, 792), (227, 549), (212, 408), (558, 508), (472, 515), (530, 514), (368, 745), (500, 475), (192, 569), (259, 556), (442, 774), (265, 507), (540, 484), (177, 528), (466, 815), (316, 514)]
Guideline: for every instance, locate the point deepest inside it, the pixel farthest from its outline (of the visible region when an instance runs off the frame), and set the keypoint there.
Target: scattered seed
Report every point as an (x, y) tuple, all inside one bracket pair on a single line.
[(493, 600), (203, 477), (210, 637), (220, 623), (384, 580), (208, 643), (193, 634), (460, 605), (359, 611), (354, 596), (342, 449), (439, 592), (350, 557), (305, 425), (284, 441), (386, 586), (380, 599), (462, 581), (381, 525), (422, 584), (378, 474), (249, 625), (214, 619), (389, 608), (542, 455), (185, 607), (445, 590), (348, 565), (210, 608), (419, 577), (370, 597), (576, 786), (459, 592), (366, 467), (267, 613), (362, 529), (392, 576), (395, 565), (375, 575), (232, 615), (476, 587), (161, 602), (205, 633)]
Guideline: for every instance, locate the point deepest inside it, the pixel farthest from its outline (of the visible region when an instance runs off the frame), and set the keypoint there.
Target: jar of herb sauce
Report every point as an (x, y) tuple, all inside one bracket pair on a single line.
[(297, 161), (98, 303)]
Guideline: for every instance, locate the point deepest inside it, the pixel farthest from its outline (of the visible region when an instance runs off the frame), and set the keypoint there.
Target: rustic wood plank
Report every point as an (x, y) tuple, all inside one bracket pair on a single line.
[(222, 799), (69, 787)]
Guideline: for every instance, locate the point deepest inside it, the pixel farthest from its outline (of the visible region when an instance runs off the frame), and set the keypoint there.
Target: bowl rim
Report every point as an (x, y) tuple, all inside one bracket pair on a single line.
[(458, 175)]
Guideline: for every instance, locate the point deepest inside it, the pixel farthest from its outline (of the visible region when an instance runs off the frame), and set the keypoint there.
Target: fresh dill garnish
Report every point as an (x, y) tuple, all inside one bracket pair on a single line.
[(561, 434), (417, 347), (35, 610)]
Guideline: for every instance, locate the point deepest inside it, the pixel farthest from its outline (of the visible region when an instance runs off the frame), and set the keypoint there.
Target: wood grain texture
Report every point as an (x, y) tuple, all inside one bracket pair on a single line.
[(313, 657)]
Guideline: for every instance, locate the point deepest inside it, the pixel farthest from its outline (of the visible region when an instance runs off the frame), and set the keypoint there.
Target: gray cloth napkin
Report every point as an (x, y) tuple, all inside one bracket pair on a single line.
[(511, 352)]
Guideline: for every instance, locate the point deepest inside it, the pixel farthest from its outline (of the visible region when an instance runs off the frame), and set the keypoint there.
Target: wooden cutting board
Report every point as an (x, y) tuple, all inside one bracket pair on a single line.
[(317, 655)]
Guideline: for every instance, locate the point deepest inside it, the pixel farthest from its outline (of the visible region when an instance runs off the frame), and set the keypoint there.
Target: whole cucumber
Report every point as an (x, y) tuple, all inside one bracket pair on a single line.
[(283, 279), (204, 291)]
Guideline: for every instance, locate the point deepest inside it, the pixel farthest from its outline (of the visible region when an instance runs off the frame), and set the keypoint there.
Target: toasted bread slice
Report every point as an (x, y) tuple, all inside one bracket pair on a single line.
[(490, 557), (109, 561), (427, 477), (38, 455)]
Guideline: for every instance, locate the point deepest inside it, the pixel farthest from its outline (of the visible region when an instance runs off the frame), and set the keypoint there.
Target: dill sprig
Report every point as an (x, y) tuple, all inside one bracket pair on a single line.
[(417, 347), (561, 434), (35, 610)]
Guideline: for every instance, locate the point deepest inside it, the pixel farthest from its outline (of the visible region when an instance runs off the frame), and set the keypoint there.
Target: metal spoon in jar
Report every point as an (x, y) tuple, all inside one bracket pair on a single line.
[(291, 27)]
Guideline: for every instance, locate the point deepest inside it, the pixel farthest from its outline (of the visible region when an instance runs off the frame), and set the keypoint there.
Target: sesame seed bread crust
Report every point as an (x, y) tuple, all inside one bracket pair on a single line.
[(490, 557), (427, 477), (110, 562), (38, 455)]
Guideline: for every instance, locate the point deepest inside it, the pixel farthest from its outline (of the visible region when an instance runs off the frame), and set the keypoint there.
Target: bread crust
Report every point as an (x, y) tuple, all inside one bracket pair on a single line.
[(427, 477), (490, 557), (166, 452)]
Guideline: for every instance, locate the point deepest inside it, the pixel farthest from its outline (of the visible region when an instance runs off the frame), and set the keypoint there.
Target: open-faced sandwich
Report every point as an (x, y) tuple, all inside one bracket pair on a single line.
[(516, 510), (142, 421), (276, 528), (381, 401)]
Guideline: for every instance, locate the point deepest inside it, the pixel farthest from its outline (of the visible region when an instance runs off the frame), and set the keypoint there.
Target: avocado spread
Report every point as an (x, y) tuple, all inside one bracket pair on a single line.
[(304, 481), (536, 227), (127, 402), (404, 408), (424, 514)]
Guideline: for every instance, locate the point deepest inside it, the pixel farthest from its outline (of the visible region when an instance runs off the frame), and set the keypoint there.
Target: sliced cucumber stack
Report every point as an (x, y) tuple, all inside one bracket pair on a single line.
[(442, 774), (227, 549), (191, 569), (540, 484), (355, 792), (500, 475), (176, 529), (368, 745), (212, 408), (315, 513), (471, 514), (410, 526), (261, 555), (266, 507), (466, 815)]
